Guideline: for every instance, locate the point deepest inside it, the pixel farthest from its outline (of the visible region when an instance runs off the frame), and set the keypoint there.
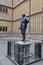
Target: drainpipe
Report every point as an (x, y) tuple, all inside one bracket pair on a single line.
[(29, 13), (29, 1)]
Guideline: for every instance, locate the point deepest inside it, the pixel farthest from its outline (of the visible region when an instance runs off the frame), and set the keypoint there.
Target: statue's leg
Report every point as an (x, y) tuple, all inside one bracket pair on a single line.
[(23, 35), (22, 32)]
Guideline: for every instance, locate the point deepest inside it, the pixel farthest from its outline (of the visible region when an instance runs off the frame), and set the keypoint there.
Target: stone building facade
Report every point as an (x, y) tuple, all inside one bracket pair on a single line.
[(10, 19), (5, 17)]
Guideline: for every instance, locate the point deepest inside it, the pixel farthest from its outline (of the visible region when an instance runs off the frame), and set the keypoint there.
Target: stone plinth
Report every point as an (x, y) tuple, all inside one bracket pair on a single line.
[(21, 52)]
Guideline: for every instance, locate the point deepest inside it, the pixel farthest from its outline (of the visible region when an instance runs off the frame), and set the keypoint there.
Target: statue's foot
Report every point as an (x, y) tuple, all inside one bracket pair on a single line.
[(23, 40)]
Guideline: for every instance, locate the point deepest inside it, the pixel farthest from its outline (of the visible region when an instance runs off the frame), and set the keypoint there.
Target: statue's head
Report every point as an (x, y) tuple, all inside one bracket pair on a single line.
[(23, 15)]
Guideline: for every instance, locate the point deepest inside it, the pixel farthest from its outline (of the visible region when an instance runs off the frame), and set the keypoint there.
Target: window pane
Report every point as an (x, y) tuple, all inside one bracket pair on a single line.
[(0, 9), (6, 10), (4, 28), (3, 9), (0, 28)]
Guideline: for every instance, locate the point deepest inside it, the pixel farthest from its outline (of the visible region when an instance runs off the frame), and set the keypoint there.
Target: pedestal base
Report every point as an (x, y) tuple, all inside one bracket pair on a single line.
[(21, 52)]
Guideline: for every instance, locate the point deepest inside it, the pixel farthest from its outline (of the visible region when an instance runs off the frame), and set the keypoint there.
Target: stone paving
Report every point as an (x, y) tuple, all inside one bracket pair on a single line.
[(3, 52), (38, 63)]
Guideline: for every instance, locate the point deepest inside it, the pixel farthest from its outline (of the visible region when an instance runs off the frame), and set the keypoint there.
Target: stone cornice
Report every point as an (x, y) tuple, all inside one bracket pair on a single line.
[(28, 16), (5, 20), (18, 4), (14, 6), (20, 17), (6, 6)]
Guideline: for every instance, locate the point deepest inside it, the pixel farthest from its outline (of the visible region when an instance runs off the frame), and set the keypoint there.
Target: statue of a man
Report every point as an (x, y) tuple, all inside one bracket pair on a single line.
[(23, 25)]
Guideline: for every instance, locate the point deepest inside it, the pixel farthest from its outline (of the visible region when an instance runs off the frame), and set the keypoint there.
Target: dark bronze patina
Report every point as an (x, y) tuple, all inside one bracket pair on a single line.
[(23, 26)]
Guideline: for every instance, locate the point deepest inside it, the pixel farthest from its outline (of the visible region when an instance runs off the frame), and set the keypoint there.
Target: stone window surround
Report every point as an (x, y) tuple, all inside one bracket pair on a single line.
[(3, 9), (4, 29)]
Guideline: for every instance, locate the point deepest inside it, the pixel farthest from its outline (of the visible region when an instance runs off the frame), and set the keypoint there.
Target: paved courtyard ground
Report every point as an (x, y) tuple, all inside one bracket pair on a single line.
[(38, 63), (3, 52)]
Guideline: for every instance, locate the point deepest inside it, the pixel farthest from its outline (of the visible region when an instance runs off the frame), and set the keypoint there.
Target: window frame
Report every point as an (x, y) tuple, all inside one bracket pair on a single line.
[(3, 29), (3, 9)]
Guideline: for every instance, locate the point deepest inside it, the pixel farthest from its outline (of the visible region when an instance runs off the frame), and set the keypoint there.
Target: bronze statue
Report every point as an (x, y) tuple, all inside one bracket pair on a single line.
[(23, 26)]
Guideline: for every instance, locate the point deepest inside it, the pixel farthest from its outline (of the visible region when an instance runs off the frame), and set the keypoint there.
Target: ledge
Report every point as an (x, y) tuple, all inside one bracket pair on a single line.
[(37, 60)]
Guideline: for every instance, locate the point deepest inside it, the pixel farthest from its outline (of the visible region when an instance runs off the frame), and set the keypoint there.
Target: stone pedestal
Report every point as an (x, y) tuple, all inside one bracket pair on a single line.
[(21, 52)]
